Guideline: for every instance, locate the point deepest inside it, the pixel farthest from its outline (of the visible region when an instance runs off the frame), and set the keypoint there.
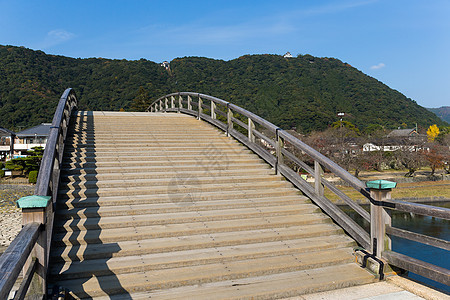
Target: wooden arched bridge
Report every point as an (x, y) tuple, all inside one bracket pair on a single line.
[(196, 199)]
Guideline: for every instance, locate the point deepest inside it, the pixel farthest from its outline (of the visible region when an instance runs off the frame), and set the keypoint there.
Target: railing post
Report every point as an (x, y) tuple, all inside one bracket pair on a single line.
[(189, 103), (180, 103), (172, 102), (166, 104), (229, 120), (200, 109), (160, 105), (38, 209), (213, 110), (251, 127), (380, 190), (279, 147), (318, 173)]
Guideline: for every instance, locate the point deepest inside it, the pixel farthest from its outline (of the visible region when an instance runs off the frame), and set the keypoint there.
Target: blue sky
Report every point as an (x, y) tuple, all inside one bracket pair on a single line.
[(403, 43)]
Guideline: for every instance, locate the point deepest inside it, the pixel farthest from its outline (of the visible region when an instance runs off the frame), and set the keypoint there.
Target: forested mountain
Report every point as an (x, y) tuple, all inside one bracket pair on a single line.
[(442, 112), (31, 83), (304, 92)]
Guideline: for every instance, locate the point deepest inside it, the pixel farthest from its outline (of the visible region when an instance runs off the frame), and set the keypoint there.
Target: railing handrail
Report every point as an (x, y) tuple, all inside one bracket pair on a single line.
[(13, 259), (66, 104), (315, 193), (34, 240)]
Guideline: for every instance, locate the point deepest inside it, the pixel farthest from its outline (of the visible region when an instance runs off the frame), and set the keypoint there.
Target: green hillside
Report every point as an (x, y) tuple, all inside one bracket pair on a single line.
[(304, 92)]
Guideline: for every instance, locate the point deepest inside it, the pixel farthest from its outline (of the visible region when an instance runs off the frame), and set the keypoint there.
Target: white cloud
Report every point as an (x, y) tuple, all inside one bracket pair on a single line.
[(55, 37), (377, 67), (60, 35)]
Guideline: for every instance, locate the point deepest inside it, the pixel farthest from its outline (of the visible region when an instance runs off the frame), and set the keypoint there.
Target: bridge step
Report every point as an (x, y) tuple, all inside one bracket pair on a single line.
[(127, 168), (143, 219), (81, 252), (185, 179), (320, 278), (179, 188), (164, 260), (111, 209), (166, 206), (178, 198), (161, 174), (156, 162), (180, 275), (166, 229), (274, 286)]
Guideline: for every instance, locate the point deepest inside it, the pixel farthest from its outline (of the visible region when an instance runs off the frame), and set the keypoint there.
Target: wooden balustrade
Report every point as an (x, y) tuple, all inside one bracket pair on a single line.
[(236, 121), (30, 250)]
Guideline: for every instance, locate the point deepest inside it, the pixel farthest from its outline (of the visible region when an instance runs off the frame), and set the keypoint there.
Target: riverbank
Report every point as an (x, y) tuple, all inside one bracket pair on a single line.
[(10, 215)]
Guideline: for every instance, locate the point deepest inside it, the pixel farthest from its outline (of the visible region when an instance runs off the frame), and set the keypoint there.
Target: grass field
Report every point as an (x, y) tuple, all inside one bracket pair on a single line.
[(424, 190)]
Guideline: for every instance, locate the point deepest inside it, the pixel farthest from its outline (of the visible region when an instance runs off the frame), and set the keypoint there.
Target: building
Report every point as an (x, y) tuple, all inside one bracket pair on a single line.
[(400, 139), (403, 133), (32, 137), (7, 138), (165, 65), (288, 55)]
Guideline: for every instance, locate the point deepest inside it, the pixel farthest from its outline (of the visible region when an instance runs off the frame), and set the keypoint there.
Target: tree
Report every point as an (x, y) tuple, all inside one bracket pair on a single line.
[(411, 157), (32, 162), (432, 132), (444, 136), (141, 101), (434, 157), (351, 128)]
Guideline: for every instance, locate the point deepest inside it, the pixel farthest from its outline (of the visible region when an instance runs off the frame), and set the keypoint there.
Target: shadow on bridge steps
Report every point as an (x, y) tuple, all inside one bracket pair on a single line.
[(68, 253)]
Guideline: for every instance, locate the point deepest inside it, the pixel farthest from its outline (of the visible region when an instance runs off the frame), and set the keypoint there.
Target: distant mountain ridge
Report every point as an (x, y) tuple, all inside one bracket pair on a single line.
[(442, 112), (305, 92)]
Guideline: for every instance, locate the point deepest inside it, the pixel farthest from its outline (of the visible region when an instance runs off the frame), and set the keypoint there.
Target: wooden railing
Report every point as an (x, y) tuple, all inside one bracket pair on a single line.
[(382, 230), (279, 148), (29, 252)]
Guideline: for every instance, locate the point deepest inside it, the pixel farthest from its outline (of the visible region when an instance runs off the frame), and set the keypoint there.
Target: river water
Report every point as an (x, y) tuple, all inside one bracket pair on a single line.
[(425, 225)]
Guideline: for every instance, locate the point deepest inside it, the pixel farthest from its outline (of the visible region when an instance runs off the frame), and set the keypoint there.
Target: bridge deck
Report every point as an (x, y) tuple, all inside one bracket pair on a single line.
[(166, 206)]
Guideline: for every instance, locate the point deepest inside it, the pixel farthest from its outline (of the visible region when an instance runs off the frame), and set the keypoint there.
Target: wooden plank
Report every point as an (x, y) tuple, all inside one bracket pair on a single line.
[(250, 129), (267, 139), (255, 118), (22, 291), (45, 170), (260, 151), (240, 123), (215, 122), (419, 267), (355, 206), (342, 219), (417, 237), (67, 101), (420, 209), (318, 173), (15, 256)]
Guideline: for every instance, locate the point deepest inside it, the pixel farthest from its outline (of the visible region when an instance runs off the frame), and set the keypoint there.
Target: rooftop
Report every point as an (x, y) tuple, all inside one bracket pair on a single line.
[(39, 130), (6, 132), (402, 132)]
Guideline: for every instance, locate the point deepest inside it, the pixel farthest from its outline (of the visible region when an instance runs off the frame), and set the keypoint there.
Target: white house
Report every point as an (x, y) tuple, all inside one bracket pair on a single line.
[(32, 137), (288, 55), (165, 65)]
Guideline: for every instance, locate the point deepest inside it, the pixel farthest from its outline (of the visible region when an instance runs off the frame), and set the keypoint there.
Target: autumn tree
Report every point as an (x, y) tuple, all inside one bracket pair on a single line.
[(434, 157), (432, 132)]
